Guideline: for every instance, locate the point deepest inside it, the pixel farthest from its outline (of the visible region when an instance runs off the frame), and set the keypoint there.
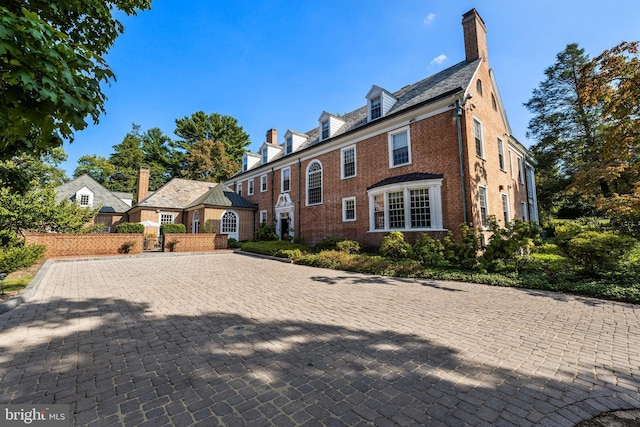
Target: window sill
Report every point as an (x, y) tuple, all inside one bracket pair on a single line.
[(407, 230), (399, 166)]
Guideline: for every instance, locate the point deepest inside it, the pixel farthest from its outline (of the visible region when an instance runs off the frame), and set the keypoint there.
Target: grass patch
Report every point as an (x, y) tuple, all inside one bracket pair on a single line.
[(17, 284)]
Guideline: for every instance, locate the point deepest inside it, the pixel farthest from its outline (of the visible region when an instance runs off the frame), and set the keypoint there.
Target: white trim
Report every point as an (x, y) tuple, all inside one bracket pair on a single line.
[(390, 145), (250, 186), (523, 206), (344, 209), (505, 196), (266, 183), (195, 222), (173, 217), (500, 143), (230, 234), (263, 213), (282, 190), (434, 186), (475, 149), (355, 162), (84, 191), (486, 201), (307, 183), (511, 164)]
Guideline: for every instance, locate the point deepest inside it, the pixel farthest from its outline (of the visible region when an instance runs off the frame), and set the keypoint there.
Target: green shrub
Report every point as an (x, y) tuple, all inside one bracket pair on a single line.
[(598, 252), (428, 251), (130, 227), (95, 229), (348, 246), (272, 248), (462, 253), (395, 247), (172, 229), (265, 233), (510, 246), (233, 243), (328, 244), (209, 227), (292, 254), (19, 257)]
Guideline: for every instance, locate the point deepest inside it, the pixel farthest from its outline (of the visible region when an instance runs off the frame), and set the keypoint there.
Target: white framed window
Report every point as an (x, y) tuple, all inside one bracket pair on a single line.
[(348, 162), (245, 163), (479, 87), (525, 217), (84, 200), (501, 154), (288, 145), (285, 180), (409, 206), (399, 147), (324, 125), (314, 183), (376, 107), (484, 206), (263, 183), (166, 218), (348, 209), (510, 164), (263, 217), (520, 171), (195, 225), (477, 135), (250, 187), (506, 211), (84, 197), (229, 224), (239, 188), (265, 155)]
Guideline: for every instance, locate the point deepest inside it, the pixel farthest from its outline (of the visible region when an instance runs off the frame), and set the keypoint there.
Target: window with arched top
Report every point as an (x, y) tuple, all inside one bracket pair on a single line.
[(229, 224), (314, 183), (493, 103), (479, 87), (195, 226)]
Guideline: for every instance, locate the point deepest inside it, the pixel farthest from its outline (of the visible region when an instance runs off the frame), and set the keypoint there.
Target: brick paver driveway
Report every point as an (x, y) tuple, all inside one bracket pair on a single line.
[(226, 339)]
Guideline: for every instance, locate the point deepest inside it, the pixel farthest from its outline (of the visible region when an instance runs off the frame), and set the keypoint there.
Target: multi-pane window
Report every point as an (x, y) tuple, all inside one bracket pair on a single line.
[(325, 129), (349, 162), (520, 171), (166, 218), (378, 212), (265, 155), (250, 187), (376, 107), (286, 180), (263, 183), (420, 210), (484, 211), (239, 188), (84, 200), (229, 222), (288, 145), (263, 217), (314, 183), (477, 132), (501, 154), (505, 208), (396, 209), (413, 206), (349, 209), (245, 163), (399, 149)]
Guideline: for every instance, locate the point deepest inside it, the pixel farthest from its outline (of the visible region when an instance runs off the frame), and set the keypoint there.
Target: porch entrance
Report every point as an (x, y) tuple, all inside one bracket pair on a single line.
[(284, 217)]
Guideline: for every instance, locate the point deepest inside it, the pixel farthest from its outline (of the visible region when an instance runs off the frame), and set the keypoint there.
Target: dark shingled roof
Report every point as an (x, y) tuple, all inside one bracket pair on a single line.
[(456, 77), (415, 176), (221, 195), (109, 202)]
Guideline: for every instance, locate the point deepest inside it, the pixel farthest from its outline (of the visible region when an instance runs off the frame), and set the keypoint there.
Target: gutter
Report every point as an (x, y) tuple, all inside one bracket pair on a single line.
[(458, 113)]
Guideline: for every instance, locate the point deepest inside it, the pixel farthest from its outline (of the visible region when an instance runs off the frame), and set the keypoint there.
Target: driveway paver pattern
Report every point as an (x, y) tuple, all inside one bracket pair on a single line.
[(225, 339)]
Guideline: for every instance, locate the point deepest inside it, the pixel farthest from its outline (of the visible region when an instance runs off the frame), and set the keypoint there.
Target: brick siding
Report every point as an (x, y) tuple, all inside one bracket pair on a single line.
[(68, 245), (196, 242)]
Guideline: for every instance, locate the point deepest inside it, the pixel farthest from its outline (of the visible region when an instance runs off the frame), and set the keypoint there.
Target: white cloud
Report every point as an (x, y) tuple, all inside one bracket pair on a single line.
[(439, 59), (429, 18)]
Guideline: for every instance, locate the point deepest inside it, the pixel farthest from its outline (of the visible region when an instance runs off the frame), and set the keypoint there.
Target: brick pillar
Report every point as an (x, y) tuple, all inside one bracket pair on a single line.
[(475, 36), (142, 188)]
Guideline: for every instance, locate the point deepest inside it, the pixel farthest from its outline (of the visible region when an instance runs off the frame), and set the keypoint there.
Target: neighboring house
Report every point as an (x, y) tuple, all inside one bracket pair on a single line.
[(425, 158), (193, 203), (85, 191)]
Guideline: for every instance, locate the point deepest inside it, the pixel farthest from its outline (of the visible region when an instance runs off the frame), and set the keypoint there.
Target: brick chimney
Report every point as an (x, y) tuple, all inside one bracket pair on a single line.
[(475, 36), (272, 137), (142, 188)]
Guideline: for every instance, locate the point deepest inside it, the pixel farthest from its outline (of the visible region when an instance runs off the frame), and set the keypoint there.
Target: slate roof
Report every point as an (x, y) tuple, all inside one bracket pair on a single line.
[(176, 194), (456, 77), (221, 195), (415, 176), (109, 202)]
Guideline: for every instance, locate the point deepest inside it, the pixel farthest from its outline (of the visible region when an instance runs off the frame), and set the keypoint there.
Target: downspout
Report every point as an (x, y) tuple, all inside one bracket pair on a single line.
[(299, 197), (273, 205), (458, 114)]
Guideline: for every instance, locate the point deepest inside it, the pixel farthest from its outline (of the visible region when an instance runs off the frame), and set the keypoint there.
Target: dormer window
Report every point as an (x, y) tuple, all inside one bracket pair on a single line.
[(84, 200), (245, 163), (265, 155), (288, 145), (379, 103), (84, 197), (325, 129), (376, 108)]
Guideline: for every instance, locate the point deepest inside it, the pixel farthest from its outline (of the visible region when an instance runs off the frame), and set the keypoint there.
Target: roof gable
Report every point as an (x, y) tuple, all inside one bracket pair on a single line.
[(107, 200), (178, 193), (221, 195)]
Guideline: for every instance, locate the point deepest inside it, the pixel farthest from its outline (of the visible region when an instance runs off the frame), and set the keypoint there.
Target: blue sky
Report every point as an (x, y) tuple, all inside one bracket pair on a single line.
[(280, 63)]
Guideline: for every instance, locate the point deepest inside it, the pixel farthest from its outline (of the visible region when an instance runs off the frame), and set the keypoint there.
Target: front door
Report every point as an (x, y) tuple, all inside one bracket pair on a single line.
[(284, 227)]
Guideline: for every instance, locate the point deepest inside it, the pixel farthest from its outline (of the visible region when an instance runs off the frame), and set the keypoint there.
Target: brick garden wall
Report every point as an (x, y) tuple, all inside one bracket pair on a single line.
[(196, 242), (67, 245)]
